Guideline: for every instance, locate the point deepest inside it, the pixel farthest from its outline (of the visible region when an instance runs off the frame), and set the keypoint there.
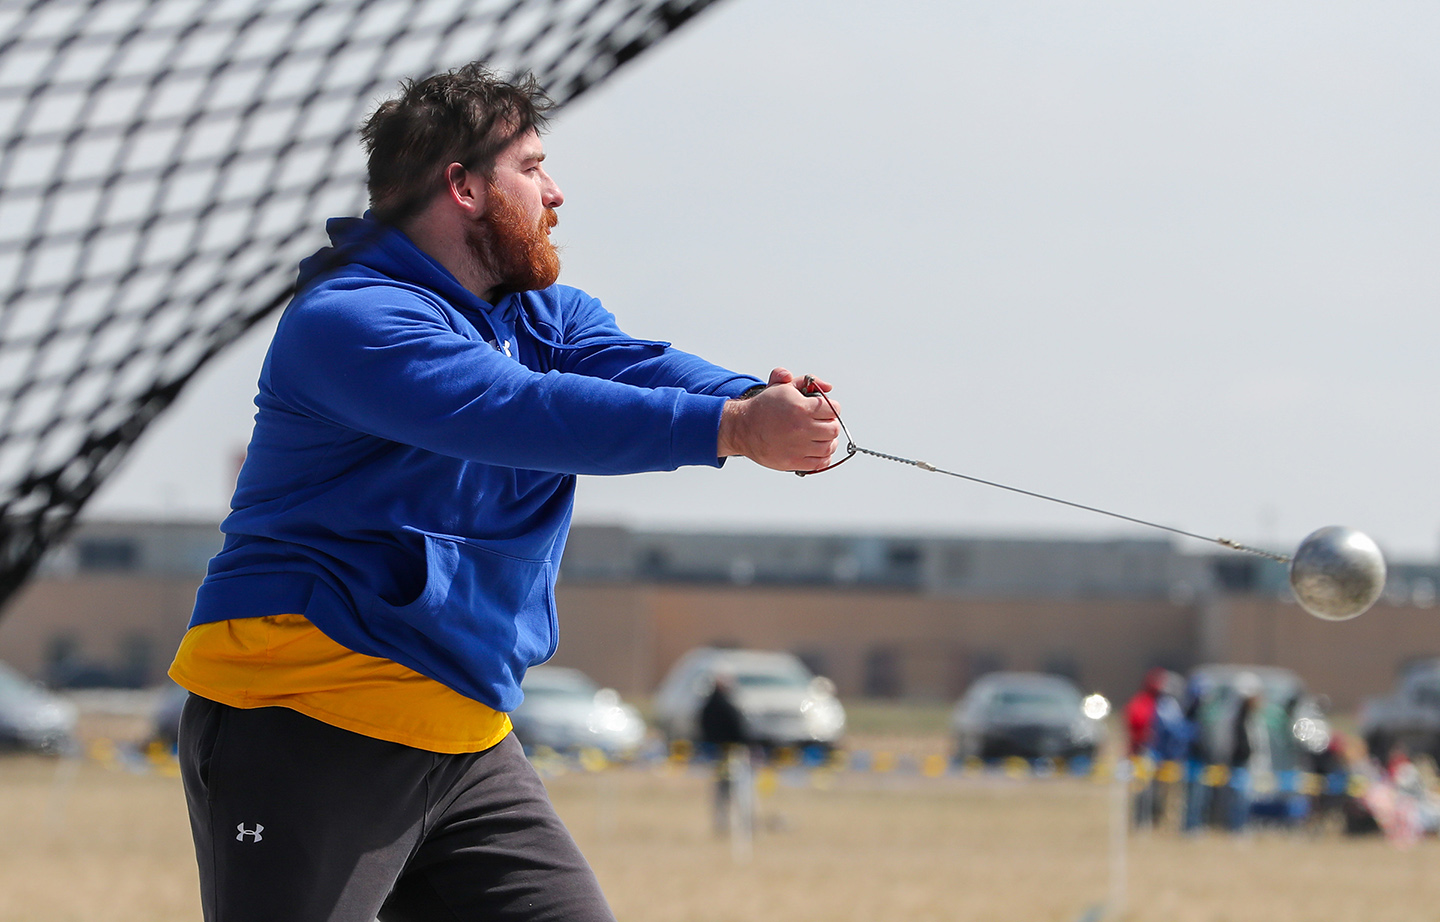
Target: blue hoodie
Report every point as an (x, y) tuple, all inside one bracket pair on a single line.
[(410, 479)]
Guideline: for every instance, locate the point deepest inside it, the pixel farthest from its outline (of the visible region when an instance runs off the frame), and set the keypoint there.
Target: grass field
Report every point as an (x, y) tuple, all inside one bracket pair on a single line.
[(83, 841)]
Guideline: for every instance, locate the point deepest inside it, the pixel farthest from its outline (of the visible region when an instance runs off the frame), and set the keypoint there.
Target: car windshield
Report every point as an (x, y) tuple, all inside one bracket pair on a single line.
[(1277, 687), (555, 688), (13, 685), (1427, 691), (779, 677), (1031, 704)]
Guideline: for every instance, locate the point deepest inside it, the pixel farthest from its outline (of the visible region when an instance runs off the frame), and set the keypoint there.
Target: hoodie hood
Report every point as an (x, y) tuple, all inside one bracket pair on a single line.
[(385, 249)]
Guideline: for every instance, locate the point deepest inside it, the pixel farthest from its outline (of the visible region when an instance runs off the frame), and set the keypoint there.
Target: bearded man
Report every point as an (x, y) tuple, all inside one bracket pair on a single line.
[(389, 562)]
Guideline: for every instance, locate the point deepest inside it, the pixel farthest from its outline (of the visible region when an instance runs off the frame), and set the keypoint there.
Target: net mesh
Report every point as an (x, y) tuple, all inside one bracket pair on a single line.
[(165, 165)]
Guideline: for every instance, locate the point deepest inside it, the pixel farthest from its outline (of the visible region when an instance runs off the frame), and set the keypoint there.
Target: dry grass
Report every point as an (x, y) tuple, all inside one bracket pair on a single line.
[(968, 849), (82, 843), (87, 842)]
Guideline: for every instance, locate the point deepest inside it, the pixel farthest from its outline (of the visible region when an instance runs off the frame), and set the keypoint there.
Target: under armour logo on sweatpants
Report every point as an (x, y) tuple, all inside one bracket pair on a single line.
[(240, 837)]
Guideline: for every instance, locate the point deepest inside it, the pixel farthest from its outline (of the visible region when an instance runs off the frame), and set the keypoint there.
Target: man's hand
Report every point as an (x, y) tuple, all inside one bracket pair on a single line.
[(782, 427)]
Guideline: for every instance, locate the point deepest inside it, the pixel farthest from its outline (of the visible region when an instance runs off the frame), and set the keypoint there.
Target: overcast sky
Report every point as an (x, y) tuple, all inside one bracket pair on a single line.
[(1176, 259)]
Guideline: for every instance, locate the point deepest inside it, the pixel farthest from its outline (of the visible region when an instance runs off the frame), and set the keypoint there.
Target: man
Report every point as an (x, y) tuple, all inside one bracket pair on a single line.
[(722, 730), (1249, 749), (389, 564)]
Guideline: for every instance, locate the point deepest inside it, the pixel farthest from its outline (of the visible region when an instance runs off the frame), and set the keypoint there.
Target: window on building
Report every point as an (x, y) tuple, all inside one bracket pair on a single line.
[(60, 651), (1237, 574), (137, 657), (1064, 665), (654, 564), (882, 673), (984, 662), (902, 563), (813, 659), (107, 554)]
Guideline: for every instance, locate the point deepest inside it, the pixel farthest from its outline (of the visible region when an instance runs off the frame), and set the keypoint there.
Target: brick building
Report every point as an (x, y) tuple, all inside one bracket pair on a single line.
[(884, 616)]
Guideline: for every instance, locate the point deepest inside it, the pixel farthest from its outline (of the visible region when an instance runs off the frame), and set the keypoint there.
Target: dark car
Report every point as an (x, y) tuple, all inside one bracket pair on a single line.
[(1409, 717), (32, 718), (1027, 714)]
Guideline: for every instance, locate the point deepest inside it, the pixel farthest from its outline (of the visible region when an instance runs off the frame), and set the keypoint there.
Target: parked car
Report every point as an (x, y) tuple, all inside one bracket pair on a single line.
[(1027, 714), (1299, 731), (566, 710), (1409, 717), (782, 702), (32, 718)]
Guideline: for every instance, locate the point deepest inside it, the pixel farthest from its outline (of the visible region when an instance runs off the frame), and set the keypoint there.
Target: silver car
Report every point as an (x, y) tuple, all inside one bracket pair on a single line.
[(782, 702), (32, 718), (566, 711)]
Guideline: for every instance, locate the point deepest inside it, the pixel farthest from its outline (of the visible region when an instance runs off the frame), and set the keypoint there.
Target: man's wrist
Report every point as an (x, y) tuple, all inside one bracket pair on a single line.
[(731, 415), (727, 443)]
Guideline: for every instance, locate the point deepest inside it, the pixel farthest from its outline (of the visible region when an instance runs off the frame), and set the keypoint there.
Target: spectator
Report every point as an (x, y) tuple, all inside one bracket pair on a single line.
[(1140, 722), (1197, 759), (1249, 750), (1169, 741), (1140, 711), (722, 731), (1333, 797)]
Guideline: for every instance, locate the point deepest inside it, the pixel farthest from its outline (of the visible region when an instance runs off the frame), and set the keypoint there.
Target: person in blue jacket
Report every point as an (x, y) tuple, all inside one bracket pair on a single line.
[(389, 562)]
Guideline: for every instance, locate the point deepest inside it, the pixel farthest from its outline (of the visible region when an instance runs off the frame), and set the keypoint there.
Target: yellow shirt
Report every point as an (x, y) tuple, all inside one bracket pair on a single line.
[(285, 661)]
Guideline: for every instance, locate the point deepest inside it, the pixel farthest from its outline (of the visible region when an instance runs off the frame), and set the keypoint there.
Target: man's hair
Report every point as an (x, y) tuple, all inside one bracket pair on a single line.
[(467, 115)]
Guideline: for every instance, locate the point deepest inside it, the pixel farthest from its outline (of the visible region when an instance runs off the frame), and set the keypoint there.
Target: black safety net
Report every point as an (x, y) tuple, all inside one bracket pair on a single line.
[(165, 165)]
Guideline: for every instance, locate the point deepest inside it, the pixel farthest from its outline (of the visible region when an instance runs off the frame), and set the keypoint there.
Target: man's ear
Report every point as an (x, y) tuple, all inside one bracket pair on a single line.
[(466, 189)]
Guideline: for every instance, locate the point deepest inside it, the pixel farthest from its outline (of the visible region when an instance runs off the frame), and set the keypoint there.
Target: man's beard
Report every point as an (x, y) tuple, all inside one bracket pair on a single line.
[(517, 255)]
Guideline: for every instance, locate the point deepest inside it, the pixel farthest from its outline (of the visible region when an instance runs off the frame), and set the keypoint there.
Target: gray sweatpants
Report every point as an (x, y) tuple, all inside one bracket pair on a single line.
[(298, 821)]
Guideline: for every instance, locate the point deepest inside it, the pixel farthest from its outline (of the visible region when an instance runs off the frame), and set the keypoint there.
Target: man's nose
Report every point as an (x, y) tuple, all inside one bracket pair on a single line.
[(554, 198)]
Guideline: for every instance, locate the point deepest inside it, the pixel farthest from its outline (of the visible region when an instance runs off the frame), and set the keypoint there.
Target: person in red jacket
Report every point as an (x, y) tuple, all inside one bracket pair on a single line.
[(1140, 712), (1140, 722)]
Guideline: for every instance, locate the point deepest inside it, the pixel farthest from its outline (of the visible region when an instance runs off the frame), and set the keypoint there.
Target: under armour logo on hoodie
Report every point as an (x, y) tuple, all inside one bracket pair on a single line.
[(502, 347), (240, 837)]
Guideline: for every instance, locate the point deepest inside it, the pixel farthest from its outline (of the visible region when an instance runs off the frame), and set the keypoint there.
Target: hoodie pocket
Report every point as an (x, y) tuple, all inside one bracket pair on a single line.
[(481, 620)]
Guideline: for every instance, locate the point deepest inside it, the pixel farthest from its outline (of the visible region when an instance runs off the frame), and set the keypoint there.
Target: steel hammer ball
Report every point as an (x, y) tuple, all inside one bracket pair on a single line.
[(1337, 573)]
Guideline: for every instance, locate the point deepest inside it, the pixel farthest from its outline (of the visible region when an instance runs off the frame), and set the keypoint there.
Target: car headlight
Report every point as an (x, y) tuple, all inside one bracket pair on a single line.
[(824, 717), (608, 720), (619, 726), (1096, 706), (50, 717), (1312, 734)]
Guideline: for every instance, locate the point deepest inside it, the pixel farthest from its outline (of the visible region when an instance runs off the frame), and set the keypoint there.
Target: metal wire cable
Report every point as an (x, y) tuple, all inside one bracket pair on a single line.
[(852, 449)]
